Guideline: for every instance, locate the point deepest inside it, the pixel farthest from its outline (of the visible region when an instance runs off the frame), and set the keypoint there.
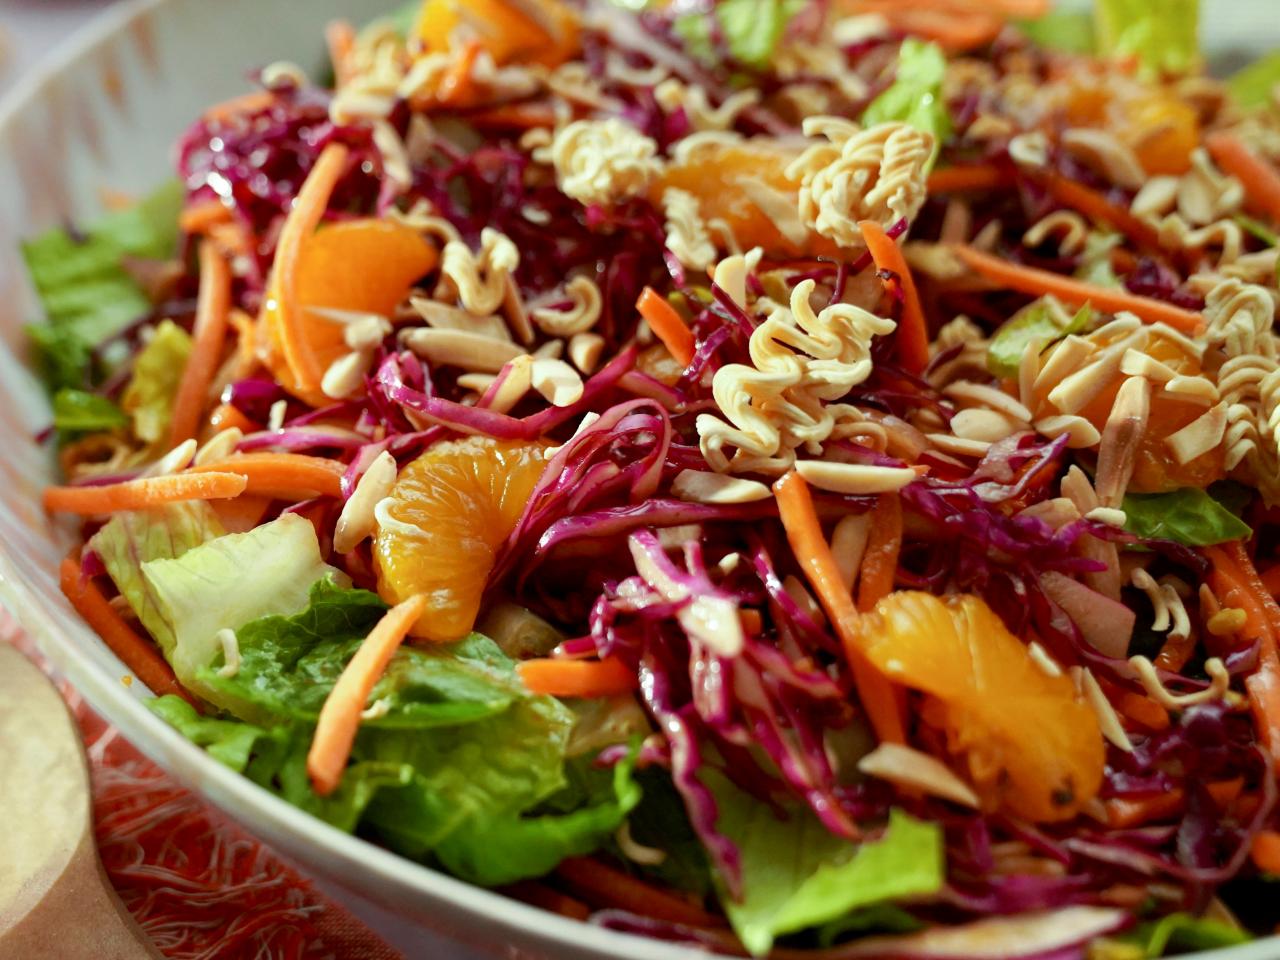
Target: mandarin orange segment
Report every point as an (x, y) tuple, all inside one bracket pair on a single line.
[(528, 31), (361, 265), (723, 177), (1162, 129), (447, 514), (1031, 745)]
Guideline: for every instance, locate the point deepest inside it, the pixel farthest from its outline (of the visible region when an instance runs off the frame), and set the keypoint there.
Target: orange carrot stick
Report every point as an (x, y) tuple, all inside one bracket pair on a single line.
[(138, 654), (225, 416), (880, 560), (281, 474), (519, 116), (457, 84), (1266, 852), (1234, 579), (245, 103), (548, 898), (1175, 652), (147, 492), (308, 209), (1260, 179), (913, 332), (1037, 282), (981, 176), (208, 334), (340, 38), (1097, 207), (339, 718), (667, 325), (1271, 579), (804, 533), (601, 884), (202, 215), (577, 678)]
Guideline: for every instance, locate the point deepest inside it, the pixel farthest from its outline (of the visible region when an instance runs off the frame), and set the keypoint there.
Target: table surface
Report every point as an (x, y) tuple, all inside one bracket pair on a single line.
[(29, 29)]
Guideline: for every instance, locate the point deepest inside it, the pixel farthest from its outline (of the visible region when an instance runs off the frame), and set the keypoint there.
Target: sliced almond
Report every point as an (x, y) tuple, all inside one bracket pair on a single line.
[(1081, 433), (345, 376), (908, 767), (472, 352), (585, 350), (700, 486), (367, 332), (985, 425), (220, 446), (1107, 155), (476, 382), (516, 377), (358, 518), (444, 316), (958, 446), (1065, 358), (1200, 435), (558, 382), (1117, 452), (1108, 721), (987, 396), (551, 350), (1135, 363), (1156, 198), (517, 315), (854, 478), (1197, 388), (1111, 516), (848, 544)]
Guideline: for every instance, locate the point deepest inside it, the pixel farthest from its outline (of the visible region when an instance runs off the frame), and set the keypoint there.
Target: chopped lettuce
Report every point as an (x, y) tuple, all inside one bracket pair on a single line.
[(1070, 31), (1162, 34), (1045, 321), (750, 29), (288, 665), (78, 411), (86, 293), (915, 96), (134, 537), (796, 874), (157, 371), (1183, 933), (1095, 263), (878, 918), (1188, 515), (228, 582), (1252, 86)]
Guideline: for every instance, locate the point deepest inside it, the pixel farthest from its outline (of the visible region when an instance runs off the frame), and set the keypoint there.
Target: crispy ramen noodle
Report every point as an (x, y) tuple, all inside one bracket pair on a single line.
[(479, 280), (601, 161), (801, 361), (687, 233)]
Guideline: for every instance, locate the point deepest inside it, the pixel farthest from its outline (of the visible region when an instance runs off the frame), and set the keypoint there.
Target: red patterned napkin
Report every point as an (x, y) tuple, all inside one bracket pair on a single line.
[(198, 885)]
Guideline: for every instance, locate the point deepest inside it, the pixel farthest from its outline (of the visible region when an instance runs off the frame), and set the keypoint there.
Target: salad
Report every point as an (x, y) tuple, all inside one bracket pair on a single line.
[(774, 475)]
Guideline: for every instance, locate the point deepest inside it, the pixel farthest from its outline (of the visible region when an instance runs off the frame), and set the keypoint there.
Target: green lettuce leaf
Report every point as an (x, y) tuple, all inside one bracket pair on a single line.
[(78, 411), (1095, 263), (1252, 86), (1070, 31), (915, 96), (157, 371), (878, 918), (1188, 515), (660, 821), (796, 874), (1183, 933), (133, 537), (1164, 35), (228, 582), (288, 665), (1044, 321), (86, 293), (751, 30)]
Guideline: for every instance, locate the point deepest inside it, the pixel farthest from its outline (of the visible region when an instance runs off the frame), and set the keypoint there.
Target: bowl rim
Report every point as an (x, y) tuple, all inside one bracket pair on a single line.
[(60, 631)]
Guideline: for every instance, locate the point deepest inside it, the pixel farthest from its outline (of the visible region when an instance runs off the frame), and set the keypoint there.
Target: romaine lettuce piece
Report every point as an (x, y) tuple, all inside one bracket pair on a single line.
[(229, 582), (1188, 515), (1045, 321), (86, 293), (915, 96), (751, 30), (1070, 31), (157, 371), (78, 411), (796, 874), (1252, 86), (1164, 35), (130, 539)]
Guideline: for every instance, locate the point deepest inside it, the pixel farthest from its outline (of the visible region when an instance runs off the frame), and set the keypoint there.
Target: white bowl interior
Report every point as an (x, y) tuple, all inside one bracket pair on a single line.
[(104, 114)]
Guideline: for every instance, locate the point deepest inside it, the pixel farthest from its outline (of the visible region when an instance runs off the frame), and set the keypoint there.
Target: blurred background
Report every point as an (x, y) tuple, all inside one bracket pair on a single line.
[(29, 28)]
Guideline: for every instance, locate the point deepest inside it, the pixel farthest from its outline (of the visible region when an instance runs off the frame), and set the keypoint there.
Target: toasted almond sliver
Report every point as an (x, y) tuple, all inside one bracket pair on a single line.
[(987, 396), (551, 350), (1111, 516), (558, 382), (473, 352), (700, 486), (854, 478), (222, 444), (1082, 433), (1197, 388), (358, 516), (477, 382), (987, 425), (1108, 721), (913, 768), (585, 350), (517, 315), (345, 376), (517, 378), (958, 446), (1135, 363), (849, 543), (1200, 435), (444, 316)]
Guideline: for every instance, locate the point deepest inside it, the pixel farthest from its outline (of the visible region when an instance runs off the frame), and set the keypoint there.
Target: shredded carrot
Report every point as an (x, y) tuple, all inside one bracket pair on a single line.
[(667, 325), (577, 678), (340, 38), (1260, 179), (548, 898), (308, 209), (1143, 711), (1271, 579), (880, 559), (208, 334), (605, 886), (804, 533), (913, 332), (201, 215), (980, 176), (138, 654), (339, 718), (1175, 652), (1266, 852), (1123, 813), (245, 103), (1076, 292), (1097, 207), (1237, 583), (518, 116), (283, 475), (752, 622), (246, 342), (954, 32), (225, 416), (147, 492), (457, 86)]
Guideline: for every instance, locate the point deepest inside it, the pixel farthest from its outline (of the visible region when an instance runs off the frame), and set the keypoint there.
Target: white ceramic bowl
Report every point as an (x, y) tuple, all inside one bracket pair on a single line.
[(103, 114)]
